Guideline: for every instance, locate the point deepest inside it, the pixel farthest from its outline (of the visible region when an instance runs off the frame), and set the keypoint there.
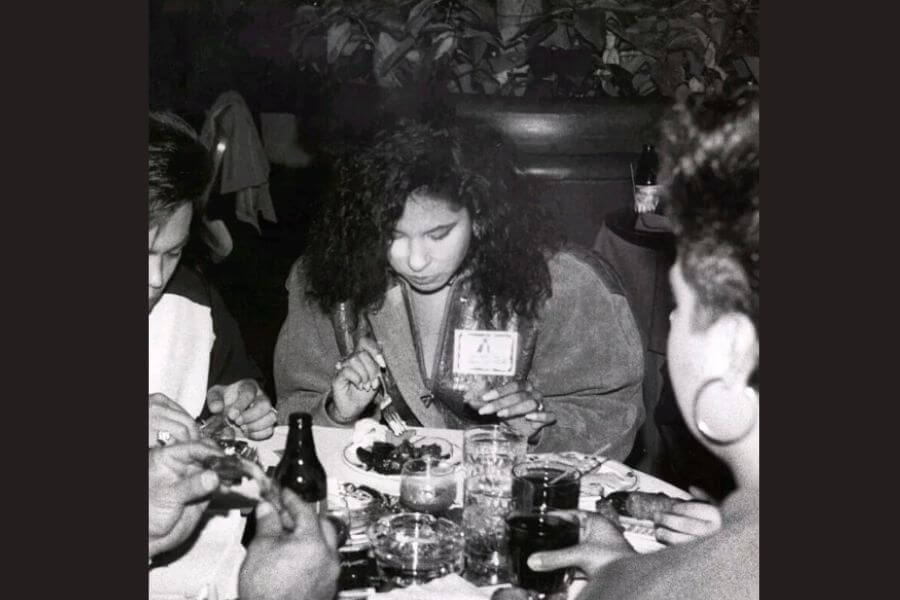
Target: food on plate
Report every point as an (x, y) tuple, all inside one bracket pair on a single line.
[(636, 505), (368, 431), (387, 458)]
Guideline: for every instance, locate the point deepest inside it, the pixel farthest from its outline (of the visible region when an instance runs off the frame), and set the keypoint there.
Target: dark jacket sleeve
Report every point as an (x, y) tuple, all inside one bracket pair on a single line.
[(229, 361), (588, 360)]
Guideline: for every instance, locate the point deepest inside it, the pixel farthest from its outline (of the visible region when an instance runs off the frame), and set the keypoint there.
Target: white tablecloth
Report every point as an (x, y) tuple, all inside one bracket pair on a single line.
[(332, 441)]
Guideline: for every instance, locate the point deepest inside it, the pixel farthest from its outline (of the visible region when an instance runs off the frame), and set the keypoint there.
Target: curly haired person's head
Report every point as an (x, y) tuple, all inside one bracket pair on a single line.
[(414, 189), (711, 167), (710, 153)]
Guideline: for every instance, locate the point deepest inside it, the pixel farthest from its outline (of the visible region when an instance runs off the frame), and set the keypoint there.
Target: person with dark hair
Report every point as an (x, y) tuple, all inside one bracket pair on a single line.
[(430, 271), (197, 357), (197, 362), (710, 156)]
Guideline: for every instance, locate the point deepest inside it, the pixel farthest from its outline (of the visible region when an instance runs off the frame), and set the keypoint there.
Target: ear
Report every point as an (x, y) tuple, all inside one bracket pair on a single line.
[(733, 348)]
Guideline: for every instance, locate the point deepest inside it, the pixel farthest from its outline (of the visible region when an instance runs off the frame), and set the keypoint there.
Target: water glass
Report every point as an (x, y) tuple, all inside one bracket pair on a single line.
[(489, 453)]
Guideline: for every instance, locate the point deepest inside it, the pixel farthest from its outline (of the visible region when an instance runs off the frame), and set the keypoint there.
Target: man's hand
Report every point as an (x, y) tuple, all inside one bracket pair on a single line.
[(178, 491), (292, 557), (167, 417), (600, 543), (245, 405)]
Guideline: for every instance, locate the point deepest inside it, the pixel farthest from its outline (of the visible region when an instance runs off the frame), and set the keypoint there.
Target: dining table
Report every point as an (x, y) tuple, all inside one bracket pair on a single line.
[(334, 447)]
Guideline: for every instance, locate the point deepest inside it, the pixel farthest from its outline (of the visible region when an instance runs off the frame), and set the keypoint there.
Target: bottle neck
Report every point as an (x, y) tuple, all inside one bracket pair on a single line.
[(299, 437)]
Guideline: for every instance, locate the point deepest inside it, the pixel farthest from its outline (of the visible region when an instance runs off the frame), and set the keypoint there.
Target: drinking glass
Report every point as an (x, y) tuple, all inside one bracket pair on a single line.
[(489, 453), (428, 484), (535, 531), (545, 485), (338, 513)]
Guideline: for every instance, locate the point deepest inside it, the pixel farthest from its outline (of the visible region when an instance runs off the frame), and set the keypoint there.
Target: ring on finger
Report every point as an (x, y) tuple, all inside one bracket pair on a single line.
[(163, 437), (540, 405)]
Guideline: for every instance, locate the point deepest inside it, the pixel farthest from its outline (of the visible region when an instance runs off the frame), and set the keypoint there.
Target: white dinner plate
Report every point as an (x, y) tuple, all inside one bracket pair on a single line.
[(352, 459)]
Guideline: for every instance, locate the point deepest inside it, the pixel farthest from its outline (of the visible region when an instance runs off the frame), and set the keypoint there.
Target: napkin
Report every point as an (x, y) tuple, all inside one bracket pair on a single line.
[(450, 587)]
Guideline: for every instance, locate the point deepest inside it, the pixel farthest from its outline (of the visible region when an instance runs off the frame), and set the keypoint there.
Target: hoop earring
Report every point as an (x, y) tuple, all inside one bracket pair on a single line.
[(720, 418)]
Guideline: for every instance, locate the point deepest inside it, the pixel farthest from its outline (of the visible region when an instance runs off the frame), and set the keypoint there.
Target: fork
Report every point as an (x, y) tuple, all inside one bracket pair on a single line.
[(394, 422)]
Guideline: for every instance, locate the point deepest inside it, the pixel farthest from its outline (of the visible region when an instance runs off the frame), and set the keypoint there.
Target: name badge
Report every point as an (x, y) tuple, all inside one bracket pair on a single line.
[(485, 352)]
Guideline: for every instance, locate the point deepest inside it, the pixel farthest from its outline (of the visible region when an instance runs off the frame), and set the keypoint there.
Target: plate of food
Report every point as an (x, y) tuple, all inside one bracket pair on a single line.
[(376, 450)]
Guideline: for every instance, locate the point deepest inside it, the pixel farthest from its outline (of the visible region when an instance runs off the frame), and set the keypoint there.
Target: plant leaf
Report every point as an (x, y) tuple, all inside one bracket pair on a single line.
[(591, 25), (542, 32), (389, 20), (488, 37), (509, 59), (350, 47), (482, 9), (444, 43), (479, 46), (392, 58), (336, 38), (418, 16)]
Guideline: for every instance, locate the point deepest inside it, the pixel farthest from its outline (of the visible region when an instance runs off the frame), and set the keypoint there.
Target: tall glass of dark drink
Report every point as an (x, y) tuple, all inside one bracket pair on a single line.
[(545, 486), (536, 531)]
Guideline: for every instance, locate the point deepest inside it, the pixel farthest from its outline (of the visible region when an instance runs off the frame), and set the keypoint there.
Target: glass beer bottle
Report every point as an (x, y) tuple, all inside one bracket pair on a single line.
[(300, 469), (646, 190)]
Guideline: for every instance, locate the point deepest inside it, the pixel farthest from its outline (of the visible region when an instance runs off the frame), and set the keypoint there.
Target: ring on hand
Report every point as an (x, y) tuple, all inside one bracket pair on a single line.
[(540, 405), (163, 437)]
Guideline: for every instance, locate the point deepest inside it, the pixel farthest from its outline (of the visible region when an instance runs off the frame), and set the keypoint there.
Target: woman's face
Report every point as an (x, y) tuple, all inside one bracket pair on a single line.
[(430, 242), (688, 346)]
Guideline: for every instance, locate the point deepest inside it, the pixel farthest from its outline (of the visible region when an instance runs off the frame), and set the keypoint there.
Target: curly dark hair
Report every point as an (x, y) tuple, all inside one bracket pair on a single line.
[(512, 236), (710, 156)]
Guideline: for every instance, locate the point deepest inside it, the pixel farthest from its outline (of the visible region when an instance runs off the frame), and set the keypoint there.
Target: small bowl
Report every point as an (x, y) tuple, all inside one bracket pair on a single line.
[(428, 485), (413, 548)]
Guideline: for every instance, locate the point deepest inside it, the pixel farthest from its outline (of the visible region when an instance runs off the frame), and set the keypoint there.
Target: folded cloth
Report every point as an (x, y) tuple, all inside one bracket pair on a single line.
[(653, 222), (245, 167), (449, 587)]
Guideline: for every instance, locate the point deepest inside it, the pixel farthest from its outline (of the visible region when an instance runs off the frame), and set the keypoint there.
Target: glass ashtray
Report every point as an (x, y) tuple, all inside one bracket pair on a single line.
[(414, 548)]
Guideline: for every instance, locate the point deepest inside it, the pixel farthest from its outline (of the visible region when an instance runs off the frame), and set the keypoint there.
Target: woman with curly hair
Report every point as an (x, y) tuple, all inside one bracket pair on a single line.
[(711, 157), (430, 272)]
